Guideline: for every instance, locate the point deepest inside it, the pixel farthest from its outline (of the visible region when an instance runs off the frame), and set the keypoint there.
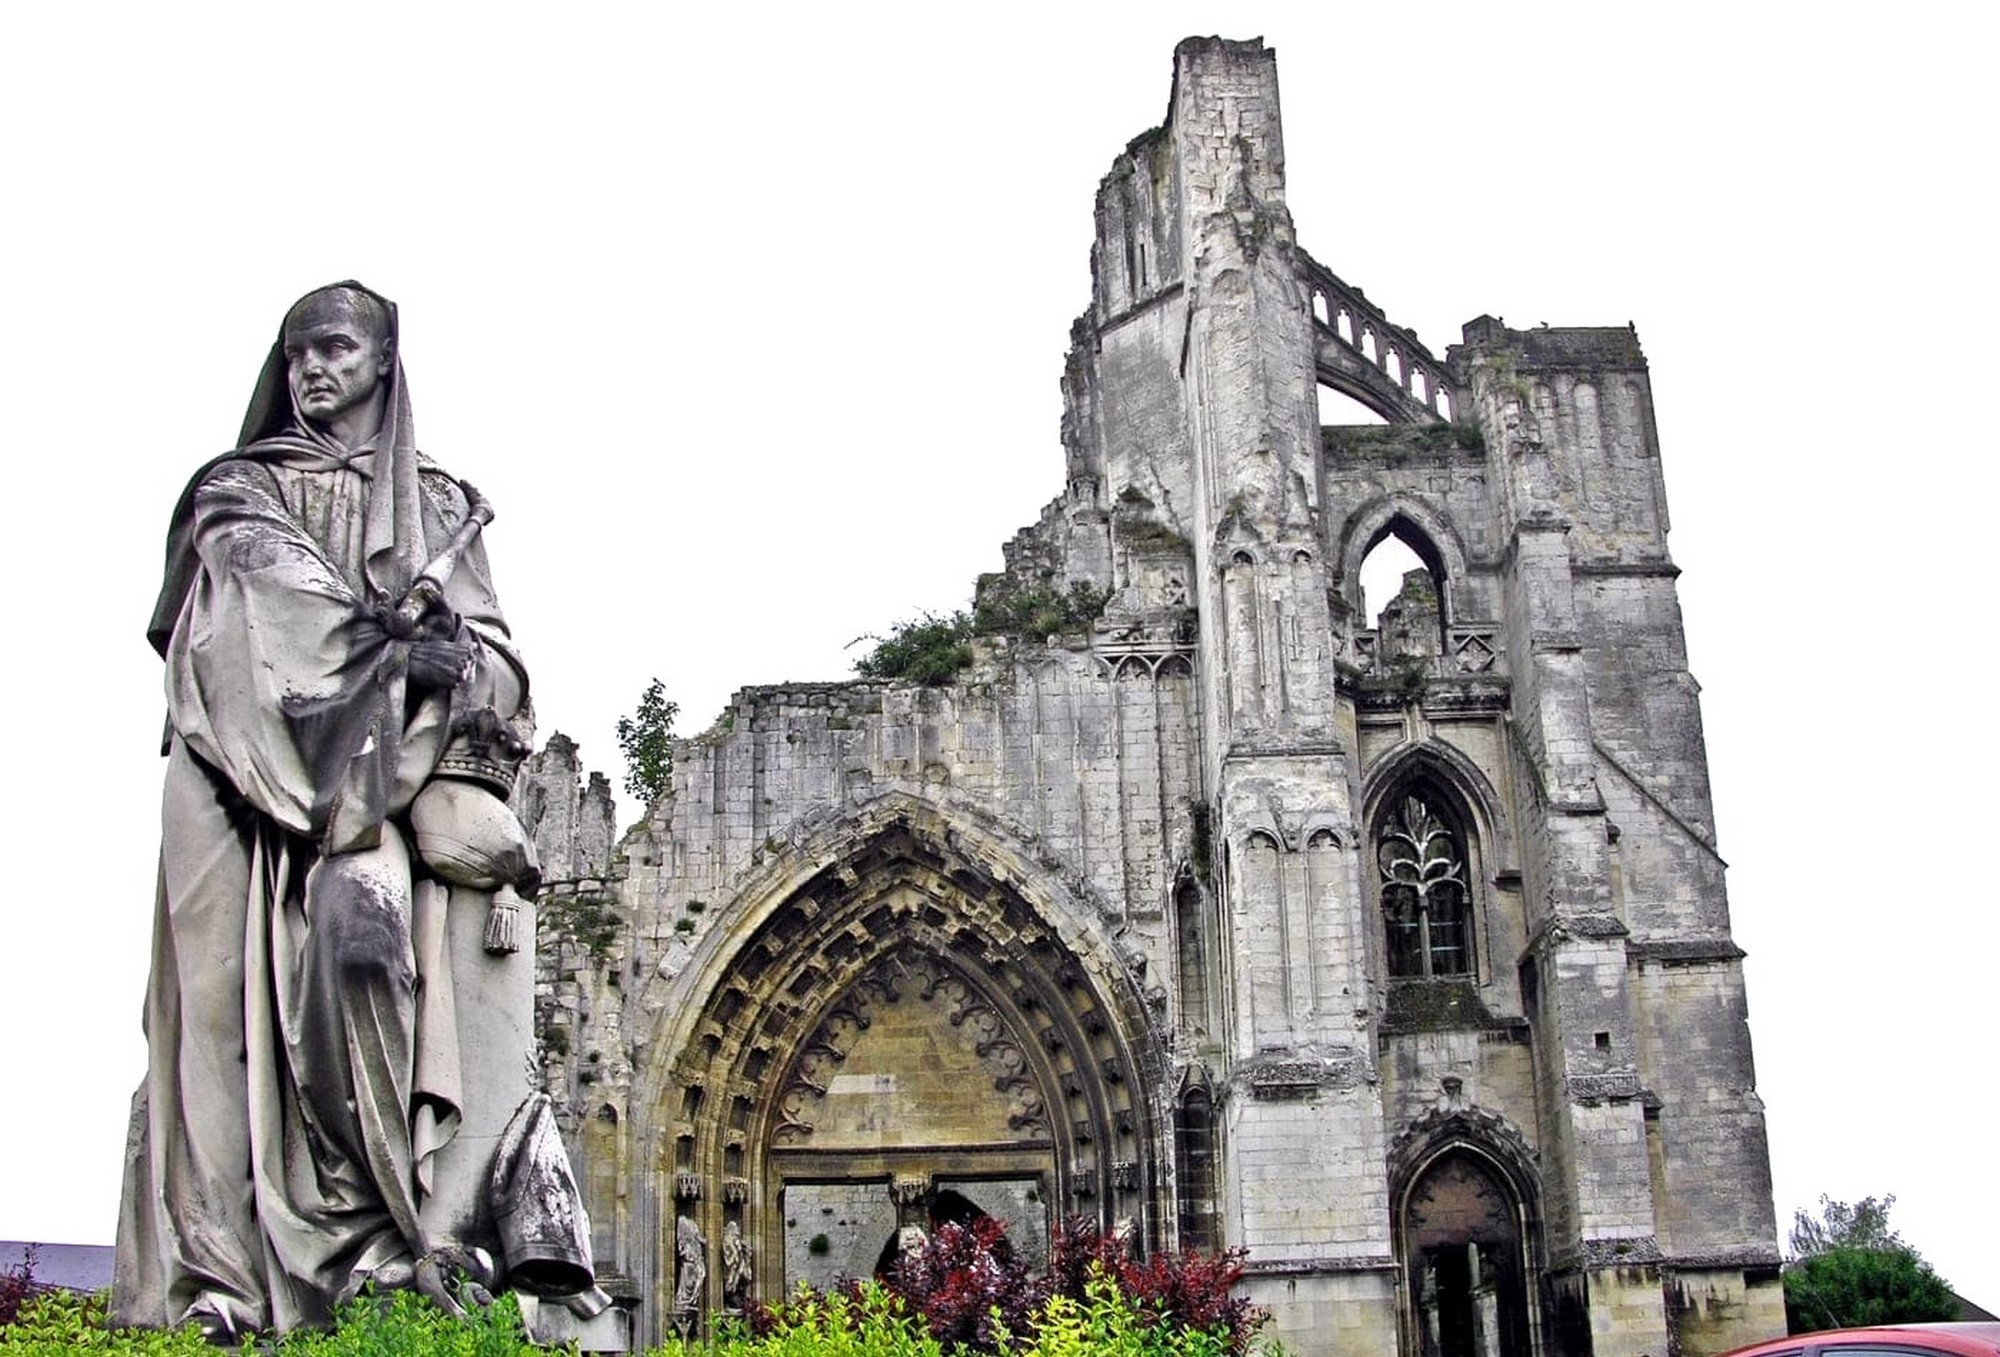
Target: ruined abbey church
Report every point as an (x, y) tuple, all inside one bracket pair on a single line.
[(1393, 950)]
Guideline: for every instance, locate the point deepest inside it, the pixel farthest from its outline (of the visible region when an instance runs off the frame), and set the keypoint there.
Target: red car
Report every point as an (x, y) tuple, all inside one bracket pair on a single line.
[(1888, 1340)]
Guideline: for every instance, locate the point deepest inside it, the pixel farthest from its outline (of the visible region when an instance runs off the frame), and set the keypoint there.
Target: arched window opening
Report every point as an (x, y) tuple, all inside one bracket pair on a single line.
[(1344, 325), (1426, 900), (1368, 349), (1337, 407), (1444, 403), (1194, 1151), (1402, 596), (1319, 308), (1394, 366), (1418, 386), (1465, 1261)]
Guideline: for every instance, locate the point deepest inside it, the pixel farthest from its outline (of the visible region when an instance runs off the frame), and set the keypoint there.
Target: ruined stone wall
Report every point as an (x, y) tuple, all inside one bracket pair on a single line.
[(1088, 772), (1094, 769), (1151, 850)]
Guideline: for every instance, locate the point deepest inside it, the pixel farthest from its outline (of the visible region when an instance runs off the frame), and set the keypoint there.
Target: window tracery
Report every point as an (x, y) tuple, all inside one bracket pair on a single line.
[(1426, 906)]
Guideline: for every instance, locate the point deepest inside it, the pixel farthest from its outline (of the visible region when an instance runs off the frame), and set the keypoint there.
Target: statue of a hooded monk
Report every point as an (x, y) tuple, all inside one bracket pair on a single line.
[(345, 714)]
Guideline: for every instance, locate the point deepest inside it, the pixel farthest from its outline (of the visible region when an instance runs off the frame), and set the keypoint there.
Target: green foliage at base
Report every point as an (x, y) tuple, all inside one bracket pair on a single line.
[(872, 1321), (963, 1294), (868, 1321), (1846, 1288), (398, 1325), (1107, 1322)]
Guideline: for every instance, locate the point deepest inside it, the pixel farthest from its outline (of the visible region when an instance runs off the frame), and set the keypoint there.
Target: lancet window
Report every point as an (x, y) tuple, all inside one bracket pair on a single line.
[(1426, 905)]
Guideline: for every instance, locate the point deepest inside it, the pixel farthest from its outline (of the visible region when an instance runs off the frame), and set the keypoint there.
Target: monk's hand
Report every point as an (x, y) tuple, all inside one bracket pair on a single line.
[(440, 662)]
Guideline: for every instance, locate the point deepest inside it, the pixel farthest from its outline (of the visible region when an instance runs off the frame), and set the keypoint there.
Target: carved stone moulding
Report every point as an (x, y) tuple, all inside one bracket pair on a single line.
[(1473, 650), (1592, 1089), (687, 1186), (1275, 1077), (1619, 1251)]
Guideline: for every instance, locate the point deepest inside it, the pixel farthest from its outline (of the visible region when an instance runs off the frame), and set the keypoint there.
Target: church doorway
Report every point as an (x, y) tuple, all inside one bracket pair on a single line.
[(902, 1041), (1465, 1259)]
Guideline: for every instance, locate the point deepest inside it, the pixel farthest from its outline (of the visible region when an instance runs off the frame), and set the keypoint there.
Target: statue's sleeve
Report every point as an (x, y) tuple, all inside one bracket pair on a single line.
[(276, 678)]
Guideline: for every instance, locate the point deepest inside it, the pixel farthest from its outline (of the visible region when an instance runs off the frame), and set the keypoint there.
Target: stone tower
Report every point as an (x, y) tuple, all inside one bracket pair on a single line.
[(1397, 954)]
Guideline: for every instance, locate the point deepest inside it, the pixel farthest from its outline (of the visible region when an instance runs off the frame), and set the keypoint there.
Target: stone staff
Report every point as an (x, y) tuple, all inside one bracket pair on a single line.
[(427, 590)]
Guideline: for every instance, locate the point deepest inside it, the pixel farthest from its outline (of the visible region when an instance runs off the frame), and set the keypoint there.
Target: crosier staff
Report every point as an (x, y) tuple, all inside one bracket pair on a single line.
[(464, 833), (427, 590)]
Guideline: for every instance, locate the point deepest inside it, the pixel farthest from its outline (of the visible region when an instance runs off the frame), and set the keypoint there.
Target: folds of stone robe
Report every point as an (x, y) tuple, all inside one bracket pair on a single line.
[(302, 1051)]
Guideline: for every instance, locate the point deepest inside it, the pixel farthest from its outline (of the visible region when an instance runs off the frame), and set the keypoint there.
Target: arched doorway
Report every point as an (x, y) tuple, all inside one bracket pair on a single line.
[(1466, 1240), (906, 1027)]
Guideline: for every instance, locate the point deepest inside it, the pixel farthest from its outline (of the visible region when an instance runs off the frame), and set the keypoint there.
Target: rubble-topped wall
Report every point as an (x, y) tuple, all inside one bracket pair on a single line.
[(1088, 767)]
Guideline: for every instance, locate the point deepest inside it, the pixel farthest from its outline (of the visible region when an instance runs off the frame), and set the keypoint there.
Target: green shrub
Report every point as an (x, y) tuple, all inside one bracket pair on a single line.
[(865, 1320), (964, 1292), (401, 1324), (1095, 1303), (931, 650), (1108, 1322), (18, 1286), (927, 649)]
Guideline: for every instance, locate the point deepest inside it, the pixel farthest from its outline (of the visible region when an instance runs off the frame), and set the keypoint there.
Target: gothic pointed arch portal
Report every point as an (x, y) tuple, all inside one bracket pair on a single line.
[(1467, 1239), (905, 1039)]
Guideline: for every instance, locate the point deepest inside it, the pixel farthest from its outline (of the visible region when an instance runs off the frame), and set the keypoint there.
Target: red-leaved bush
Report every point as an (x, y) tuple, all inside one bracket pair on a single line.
[(962, 1278), (1188, 1291), (18, 1285), (965, 1284)]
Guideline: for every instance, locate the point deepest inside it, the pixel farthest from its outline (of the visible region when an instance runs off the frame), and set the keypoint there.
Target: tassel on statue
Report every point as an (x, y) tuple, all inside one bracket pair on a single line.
[(503, 922)]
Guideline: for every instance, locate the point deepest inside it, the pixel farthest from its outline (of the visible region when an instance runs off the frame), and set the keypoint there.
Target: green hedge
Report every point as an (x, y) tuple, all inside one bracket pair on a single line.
[(868, 1322), (398, 1325)]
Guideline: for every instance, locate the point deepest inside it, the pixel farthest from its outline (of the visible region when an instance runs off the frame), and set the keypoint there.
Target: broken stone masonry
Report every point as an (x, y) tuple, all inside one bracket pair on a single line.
[(1399, 956)]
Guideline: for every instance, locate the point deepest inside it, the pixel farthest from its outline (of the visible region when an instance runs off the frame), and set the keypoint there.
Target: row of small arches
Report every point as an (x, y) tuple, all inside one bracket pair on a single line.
[(1411, 377)]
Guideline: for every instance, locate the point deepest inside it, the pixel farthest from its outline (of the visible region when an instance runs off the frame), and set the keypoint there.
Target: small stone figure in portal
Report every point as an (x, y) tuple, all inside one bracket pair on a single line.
[(345, 715), (690, 1273), (737, 1266)]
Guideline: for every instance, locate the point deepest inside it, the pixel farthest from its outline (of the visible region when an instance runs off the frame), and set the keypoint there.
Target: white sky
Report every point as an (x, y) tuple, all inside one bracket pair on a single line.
[(751, 330)]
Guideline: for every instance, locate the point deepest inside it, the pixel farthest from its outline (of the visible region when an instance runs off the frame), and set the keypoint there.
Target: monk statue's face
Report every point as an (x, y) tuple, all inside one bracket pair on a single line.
[(337, 353)]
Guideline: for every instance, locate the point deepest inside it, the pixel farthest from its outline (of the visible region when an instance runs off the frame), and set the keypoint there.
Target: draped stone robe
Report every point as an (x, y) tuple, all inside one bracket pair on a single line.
[(302, 1054)]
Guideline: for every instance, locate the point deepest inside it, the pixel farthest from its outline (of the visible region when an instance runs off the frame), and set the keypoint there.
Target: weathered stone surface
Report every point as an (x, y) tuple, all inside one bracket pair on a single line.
[(1116, 914), (339, 1018)]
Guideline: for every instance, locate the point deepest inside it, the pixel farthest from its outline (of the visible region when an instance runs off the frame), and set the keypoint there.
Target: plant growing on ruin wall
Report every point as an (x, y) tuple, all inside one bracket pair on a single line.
[(647, 739), (932, 650)]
